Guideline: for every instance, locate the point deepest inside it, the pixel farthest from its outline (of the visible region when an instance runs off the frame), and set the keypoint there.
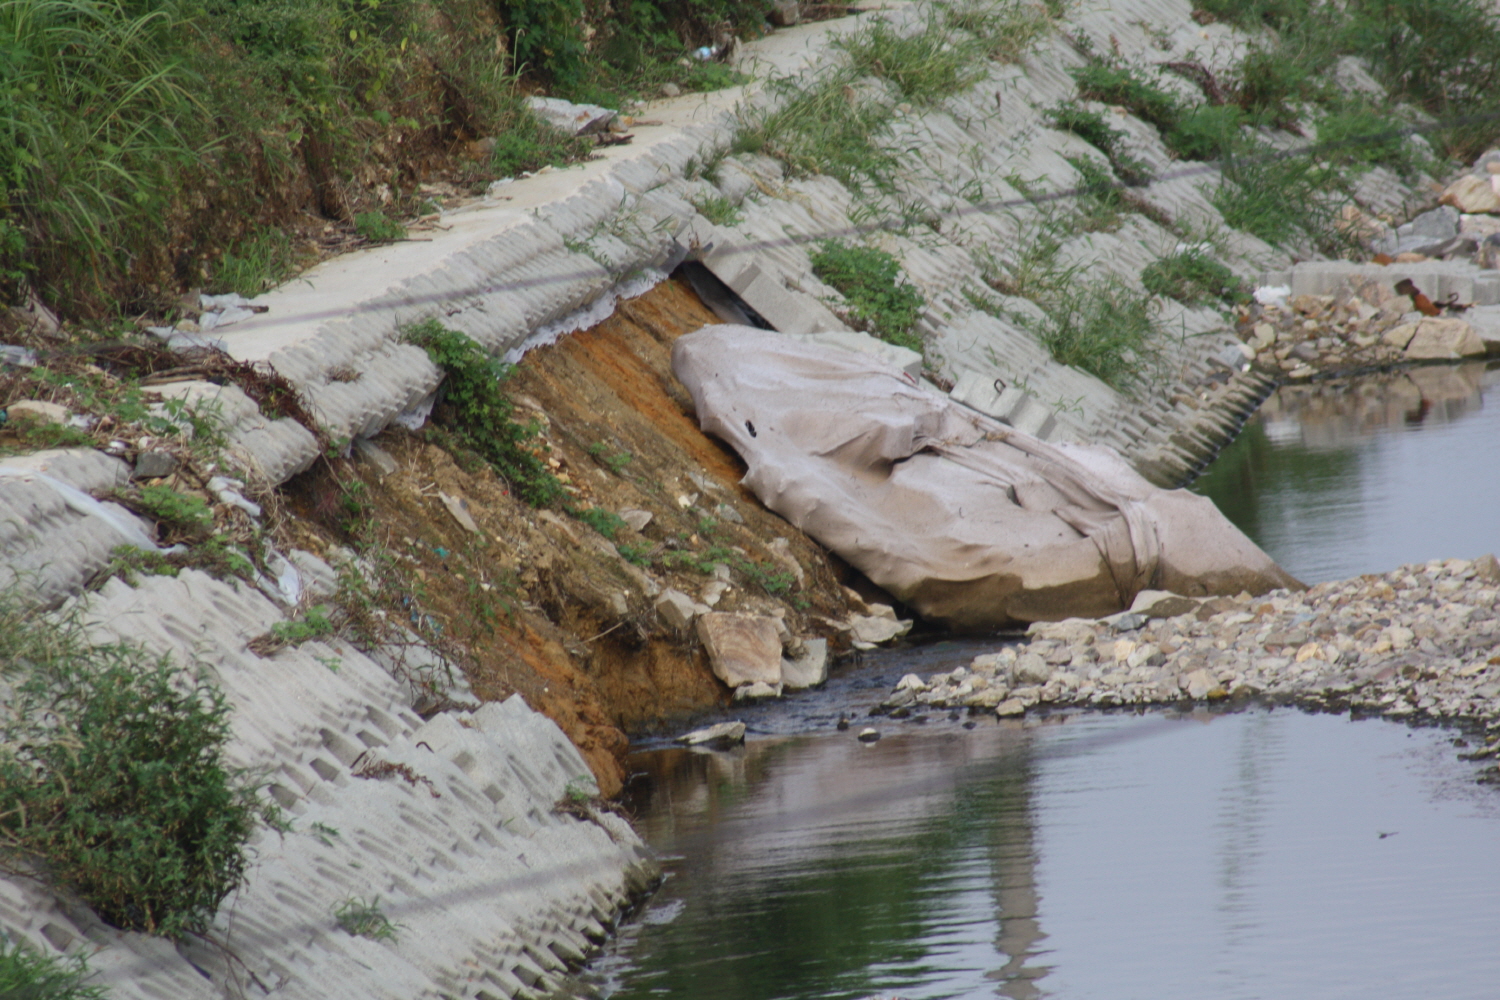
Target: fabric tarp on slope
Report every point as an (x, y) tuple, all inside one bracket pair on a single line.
[(971, 522)]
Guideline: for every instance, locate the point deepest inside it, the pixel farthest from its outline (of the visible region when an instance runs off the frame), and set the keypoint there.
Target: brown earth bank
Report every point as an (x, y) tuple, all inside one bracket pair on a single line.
[(540, 602)]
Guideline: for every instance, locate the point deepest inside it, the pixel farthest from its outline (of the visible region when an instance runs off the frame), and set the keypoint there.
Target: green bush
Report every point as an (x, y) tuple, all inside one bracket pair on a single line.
[(606, 522), (530, 144), (112, 777), (377, 227), (871, 282), (26, 974), (480, 413), (1358, 136)]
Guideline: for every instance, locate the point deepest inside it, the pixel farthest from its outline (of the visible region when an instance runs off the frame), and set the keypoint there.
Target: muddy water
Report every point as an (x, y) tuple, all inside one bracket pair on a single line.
[(1360, 476), (1260, 854)]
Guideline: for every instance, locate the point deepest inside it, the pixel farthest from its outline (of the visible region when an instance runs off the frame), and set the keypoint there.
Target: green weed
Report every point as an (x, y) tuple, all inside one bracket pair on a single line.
[(635, 554), (529, 144), (1100, 204), (364, 919), (871, 282), (183, 515), (1090, 126), (256, 263), (1005, 30), (925, 66), (377, 227), (315, 623), (28, 974), (1205, 131), (112, 775), (614, 461), (718, 210), (1104, 328), (1282, 200), (1360, 136), (1130, 88), (480, 414), (1193, 278)]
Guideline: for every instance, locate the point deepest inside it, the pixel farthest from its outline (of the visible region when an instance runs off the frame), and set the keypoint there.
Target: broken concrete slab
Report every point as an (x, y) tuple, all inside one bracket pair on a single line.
[(742, 648), (678, 609)]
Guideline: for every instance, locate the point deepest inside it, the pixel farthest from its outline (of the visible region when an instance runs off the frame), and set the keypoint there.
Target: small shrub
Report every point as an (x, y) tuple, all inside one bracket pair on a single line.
[(1364, 136), (636, 555), (182, 514), (606, 522), (871, 282), (27, 974), (364, 919), (480, 413), (1281, 199), (377, 227), (1269, 80), (112, 777), (1205, 132), (1193, 278)]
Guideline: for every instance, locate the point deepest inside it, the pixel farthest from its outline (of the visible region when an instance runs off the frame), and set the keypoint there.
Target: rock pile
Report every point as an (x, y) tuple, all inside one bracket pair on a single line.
[(1366, 324), (1420, 642)]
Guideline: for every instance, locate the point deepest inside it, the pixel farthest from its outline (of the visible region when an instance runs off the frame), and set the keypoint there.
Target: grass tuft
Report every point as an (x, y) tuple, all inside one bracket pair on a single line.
[(871, 282), (1194, 278)]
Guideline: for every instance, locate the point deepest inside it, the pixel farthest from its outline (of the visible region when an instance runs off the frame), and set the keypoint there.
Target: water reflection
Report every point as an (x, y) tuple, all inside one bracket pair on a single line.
[(1097, 856), (1357, 476)]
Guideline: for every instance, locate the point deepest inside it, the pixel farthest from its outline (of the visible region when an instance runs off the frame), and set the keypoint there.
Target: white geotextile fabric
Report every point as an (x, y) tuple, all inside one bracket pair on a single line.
[(969, 521)]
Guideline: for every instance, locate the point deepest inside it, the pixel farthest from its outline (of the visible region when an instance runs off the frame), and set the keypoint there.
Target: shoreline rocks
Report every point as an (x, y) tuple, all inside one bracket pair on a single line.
[(1421, 642)]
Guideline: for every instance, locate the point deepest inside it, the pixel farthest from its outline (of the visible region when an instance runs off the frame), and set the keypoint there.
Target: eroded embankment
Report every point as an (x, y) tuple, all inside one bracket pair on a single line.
[(563, 609)]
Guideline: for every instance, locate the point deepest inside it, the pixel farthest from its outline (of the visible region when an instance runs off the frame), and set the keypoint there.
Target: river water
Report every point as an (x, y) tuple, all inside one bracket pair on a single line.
[(1257, 854)]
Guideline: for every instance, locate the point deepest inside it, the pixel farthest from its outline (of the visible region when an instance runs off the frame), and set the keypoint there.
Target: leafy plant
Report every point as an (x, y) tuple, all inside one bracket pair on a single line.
[(28, 974), (481, 414), (315, 623), (1192, 277), (870, 281), (638, 555), (112, 776), (364, 919)]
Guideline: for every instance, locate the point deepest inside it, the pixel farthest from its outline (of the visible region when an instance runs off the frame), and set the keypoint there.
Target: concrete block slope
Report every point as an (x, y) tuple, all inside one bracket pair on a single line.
[(450, 822)]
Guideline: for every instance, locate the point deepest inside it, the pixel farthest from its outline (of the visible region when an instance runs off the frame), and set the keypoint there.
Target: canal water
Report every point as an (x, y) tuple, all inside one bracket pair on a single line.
[(1256, 854), (1335, 479)]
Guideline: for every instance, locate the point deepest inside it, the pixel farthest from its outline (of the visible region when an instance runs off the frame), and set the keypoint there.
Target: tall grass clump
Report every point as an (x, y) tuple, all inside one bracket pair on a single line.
[(98, 116), (1104, 328), (872, 283), (113, 783), (28, 974)]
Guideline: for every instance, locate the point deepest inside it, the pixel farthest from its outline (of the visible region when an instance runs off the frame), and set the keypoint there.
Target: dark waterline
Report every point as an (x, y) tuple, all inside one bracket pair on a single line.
[(1341, 478), (1089, 856)]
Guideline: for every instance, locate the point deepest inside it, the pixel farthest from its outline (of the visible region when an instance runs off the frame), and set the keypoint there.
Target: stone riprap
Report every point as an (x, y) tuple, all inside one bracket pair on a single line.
[(1420, 642), (450, 823)]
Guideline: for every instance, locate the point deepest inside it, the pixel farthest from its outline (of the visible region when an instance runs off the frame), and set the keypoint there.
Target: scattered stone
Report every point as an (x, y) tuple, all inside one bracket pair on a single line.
[(155, 465), (458, 507), (742, 649), (785, 13), (1422, 641), (808, 670), (678, 609), (1472, 195), (636, 518), (869, 631), (724, 734), (1162, 604), (713, 592), (670, 89), (37, 410), (757, 691), (574, 119), (911, 682), (1444, 339), (868, 735)]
